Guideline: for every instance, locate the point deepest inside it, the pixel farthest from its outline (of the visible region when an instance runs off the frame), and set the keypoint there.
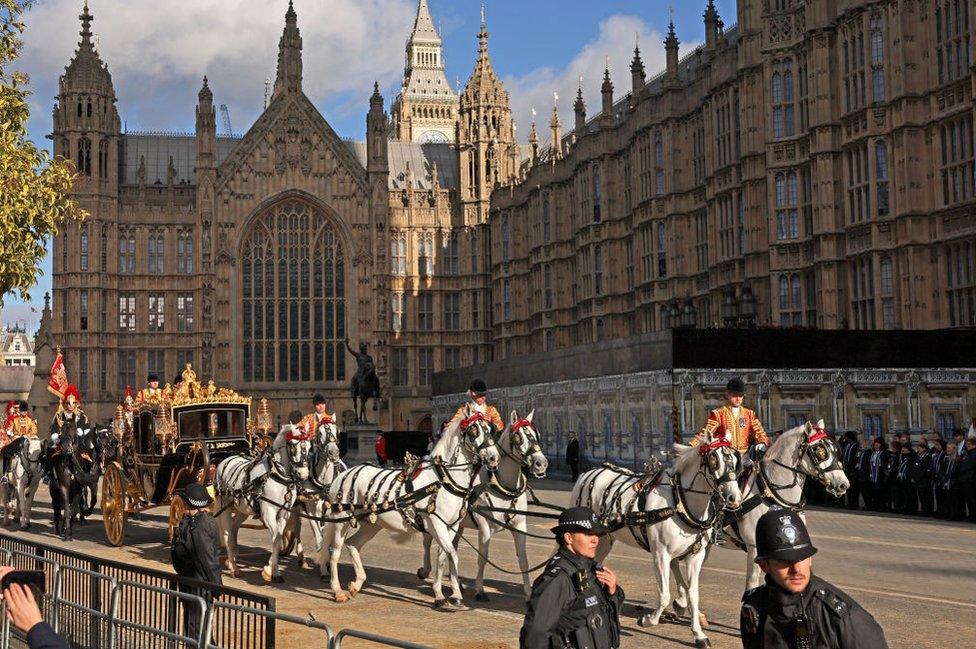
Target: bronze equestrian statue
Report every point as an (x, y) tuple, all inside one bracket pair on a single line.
[(365, 383)]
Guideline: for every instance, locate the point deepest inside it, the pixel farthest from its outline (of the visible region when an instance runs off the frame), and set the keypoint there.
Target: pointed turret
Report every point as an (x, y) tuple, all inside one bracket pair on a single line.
[(606, 92), (671, 56), (555, 127), (486, 145), (426, 108), (376, 134), (579, 108), (206, 127), (533, 140), (289, 77), (637, 79), (86, 122), (712, 22)]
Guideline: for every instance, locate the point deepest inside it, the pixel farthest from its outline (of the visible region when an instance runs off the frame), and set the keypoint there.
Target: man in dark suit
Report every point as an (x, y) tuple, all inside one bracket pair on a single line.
[(573, 455), (850, 454)]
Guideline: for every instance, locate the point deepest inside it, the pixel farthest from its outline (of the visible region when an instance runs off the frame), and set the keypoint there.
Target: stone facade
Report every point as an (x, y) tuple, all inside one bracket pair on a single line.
[(256, 257), (811, 166), (626, 418)]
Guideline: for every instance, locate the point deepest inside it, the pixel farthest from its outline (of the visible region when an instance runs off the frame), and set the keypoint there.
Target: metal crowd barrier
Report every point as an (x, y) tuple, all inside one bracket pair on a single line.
[(94, 610), (152, 598)]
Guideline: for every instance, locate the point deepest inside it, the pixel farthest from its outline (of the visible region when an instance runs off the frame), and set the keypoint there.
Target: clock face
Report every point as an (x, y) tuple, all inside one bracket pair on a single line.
[(429, 137)]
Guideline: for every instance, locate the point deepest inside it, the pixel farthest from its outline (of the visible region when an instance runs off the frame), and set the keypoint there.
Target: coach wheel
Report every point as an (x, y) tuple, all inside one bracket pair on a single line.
[(114, 513), (177, 509), (290, 536)]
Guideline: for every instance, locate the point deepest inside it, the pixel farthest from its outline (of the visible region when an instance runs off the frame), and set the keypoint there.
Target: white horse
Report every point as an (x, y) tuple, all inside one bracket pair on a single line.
[(18, 489), (267, 488), (804, 451), (670, 515), (505, 488), (325, 466), (432, 500)]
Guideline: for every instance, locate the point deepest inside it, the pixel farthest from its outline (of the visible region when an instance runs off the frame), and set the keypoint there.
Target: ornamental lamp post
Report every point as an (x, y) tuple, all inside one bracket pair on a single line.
[(689, 315), (747, 308), (729, 310)]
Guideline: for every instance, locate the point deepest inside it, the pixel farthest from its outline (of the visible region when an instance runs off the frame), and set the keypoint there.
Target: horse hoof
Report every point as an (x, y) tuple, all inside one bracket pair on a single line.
[(482, 597), (325, 577), (668, 616), (702, 643), (277, 579), (236, 573), (441, 605), (421, 574), (341, 598), (353, 589), (25, 527), (679, 609), (458, 604), (645, 620)]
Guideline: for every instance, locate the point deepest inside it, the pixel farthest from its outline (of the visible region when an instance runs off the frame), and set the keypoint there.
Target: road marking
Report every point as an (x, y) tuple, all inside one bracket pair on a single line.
[(893, 544), (895, 594)]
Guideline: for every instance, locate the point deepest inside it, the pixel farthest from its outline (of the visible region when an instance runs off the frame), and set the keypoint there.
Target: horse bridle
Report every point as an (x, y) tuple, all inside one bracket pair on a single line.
[(470, 430), (516, 438), (818, 448)]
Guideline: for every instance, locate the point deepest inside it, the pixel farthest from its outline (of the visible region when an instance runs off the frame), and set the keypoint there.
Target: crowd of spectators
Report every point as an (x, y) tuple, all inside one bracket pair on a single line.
[(927, 476)]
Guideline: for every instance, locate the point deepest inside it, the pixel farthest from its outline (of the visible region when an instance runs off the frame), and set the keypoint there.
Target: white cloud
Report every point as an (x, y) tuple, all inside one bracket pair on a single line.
[(615, 40), (158, 52)]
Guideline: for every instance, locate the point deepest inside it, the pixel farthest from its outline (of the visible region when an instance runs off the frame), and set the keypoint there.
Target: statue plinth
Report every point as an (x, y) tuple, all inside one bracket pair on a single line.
[(360, 443)]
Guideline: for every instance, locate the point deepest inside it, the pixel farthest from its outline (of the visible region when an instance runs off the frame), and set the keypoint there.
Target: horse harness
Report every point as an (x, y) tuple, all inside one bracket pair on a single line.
[(818, 448)]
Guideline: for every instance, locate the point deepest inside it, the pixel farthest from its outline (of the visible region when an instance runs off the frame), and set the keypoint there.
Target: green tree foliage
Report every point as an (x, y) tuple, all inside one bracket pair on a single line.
[(34, 189)]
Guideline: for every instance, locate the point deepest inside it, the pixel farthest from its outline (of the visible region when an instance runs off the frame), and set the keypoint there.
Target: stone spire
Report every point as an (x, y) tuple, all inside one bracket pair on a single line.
[(671, 49), (376, 136), (289, 77), (86, 71), (426, 107), (486, 145), (711, 25), (606, 91), (556, 127), (484, 76), (579, 107), (533, 140), (637, 79), (206, 127)]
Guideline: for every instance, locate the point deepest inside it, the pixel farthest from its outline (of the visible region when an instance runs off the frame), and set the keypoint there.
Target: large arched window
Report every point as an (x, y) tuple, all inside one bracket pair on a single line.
[(293, 297)]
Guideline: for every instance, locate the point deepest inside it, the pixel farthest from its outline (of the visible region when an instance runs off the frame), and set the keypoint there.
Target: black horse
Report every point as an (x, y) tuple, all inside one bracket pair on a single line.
[(69, 476), (95, 449), (365, 383)]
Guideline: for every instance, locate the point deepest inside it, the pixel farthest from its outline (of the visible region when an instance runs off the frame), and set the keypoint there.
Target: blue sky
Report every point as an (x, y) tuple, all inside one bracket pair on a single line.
[(158, 52)]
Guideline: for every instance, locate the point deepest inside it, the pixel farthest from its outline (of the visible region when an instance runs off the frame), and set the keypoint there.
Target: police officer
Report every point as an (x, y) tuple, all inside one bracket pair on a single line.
[(794, 609), (575, 601)]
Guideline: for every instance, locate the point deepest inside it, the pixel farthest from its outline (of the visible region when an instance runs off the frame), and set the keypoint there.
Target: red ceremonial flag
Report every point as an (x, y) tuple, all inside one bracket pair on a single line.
[(58, 382)]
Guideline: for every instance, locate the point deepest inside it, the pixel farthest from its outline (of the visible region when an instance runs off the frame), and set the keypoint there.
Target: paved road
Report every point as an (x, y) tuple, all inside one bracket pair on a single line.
[(916, 576)]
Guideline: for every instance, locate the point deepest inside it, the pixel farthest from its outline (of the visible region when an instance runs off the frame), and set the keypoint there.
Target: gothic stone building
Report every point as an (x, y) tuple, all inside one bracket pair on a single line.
[(812, 166), (255, 258)]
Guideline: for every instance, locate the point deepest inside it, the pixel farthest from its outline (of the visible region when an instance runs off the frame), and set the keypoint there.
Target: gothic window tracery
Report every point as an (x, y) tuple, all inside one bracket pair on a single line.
[(293, 297)]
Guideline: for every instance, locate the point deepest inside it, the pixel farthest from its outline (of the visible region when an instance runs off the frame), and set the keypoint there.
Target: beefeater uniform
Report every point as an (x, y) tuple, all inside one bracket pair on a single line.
[(744, 428)]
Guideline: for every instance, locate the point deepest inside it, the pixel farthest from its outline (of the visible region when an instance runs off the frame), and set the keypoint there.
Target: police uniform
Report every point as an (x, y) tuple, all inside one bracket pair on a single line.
[(569, 608), (820, 617), (741, 424), (478, 388)]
